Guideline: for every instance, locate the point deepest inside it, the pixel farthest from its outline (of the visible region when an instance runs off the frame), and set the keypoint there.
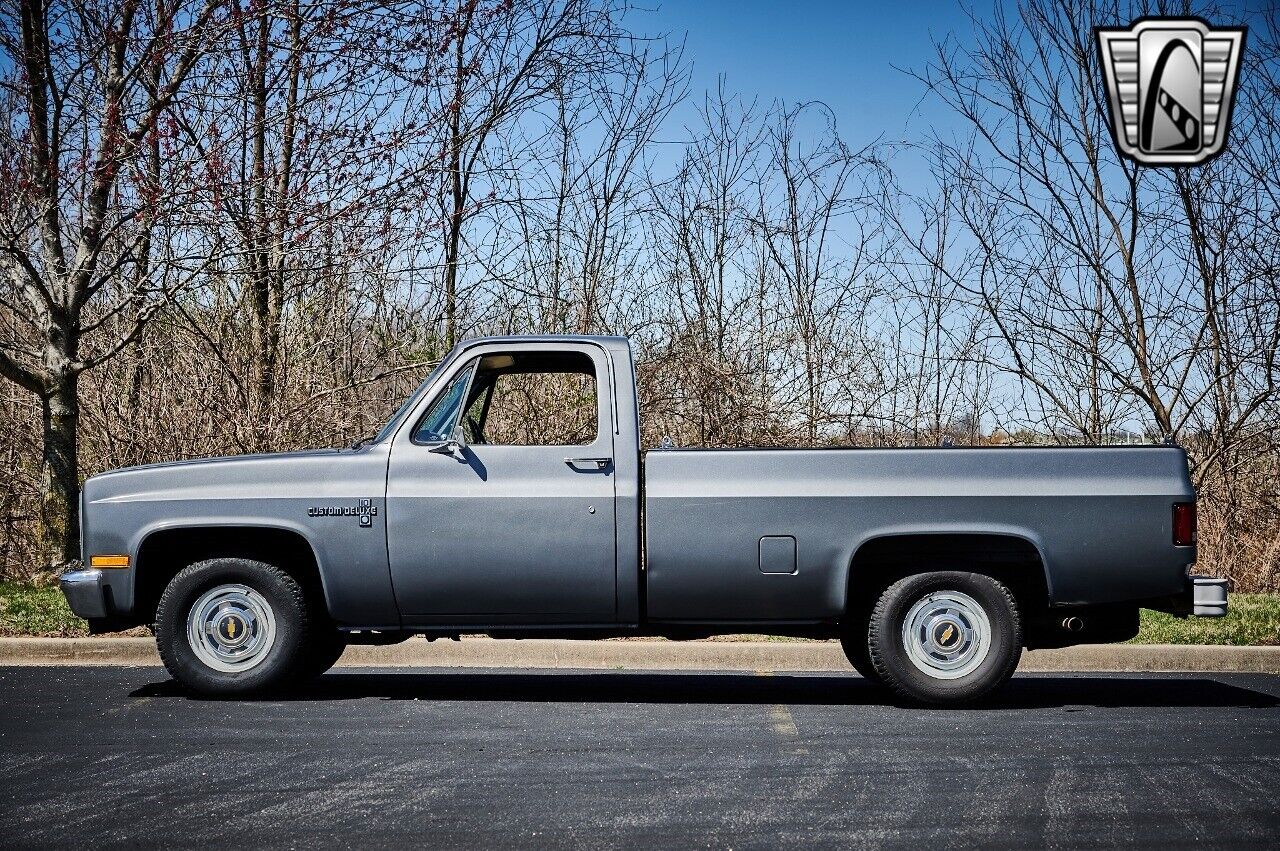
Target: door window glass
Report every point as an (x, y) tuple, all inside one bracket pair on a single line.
[(533, 399)]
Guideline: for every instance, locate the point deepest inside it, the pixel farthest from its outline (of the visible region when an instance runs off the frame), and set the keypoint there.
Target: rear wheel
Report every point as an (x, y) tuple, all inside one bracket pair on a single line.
[(853, 641), (946, 638), (232, 626)]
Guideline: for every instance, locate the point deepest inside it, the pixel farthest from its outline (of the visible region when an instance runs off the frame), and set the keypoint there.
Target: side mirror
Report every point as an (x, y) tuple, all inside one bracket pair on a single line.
[(459, 437), (454, 446)]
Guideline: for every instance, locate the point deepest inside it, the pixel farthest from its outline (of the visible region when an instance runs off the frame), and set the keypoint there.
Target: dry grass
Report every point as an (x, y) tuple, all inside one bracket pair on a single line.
[(1242, 544)]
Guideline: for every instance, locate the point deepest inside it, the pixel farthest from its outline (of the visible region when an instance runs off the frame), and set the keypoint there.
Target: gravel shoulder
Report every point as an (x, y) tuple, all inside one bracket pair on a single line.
[(658, 655)]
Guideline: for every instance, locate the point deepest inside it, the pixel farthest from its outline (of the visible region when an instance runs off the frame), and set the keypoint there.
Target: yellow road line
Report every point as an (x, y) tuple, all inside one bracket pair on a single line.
[(783, 724)]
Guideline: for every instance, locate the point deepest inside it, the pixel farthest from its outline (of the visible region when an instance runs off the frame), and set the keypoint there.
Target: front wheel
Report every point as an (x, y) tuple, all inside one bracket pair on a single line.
[(322, 653), (232, 626), (945, 638)]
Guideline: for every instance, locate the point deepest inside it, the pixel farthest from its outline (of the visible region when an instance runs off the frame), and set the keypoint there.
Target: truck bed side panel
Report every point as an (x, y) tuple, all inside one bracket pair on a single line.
[(1100, 517)]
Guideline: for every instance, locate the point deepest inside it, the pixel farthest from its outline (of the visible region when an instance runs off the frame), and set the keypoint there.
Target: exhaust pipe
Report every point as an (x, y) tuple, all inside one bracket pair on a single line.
[(1073, 624)]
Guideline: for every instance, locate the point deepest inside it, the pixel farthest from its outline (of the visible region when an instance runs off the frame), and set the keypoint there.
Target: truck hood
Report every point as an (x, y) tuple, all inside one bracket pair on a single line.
[(283, 474)]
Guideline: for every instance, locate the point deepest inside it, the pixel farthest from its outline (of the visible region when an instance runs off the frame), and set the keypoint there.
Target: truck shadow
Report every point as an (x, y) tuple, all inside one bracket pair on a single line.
[(1023, 692)]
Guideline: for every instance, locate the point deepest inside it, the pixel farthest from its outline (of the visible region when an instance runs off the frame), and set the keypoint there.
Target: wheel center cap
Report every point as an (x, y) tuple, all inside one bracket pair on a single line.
[(946, 634), (232, 629)]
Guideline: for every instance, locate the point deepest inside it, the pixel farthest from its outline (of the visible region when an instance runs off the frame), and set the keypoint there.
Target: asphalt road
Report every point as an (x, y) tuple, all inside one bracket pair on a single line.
[(486, 759)]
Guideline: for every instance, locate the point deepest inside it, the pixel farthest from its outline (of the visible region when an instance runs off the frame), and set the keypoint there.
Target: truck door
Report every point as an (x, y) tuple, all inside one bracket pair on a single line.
[(500, 494)]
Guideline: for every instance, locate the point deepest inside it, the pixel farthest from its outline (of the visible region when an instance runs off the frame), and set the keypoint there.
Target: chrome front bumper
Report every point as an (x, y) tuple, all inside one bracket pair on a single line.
[(1209, 597), (83, 590)]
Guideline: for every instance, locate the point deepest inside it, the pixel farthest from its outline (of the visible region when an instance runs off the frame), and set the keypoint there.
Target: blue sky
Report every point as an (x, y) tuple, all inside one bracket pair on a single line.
[(840, 53)]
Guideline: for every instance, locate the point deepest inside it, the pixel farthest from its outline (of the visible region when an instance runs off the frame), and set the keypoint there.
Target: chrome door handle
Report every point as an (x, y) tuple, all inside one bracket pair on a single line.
[(600, 463)]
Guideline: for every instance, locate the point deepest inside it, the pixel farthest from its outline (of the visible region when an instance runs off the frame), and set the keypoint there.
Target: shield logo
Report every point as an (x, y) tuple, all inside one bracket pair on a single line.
[(1170, 85)]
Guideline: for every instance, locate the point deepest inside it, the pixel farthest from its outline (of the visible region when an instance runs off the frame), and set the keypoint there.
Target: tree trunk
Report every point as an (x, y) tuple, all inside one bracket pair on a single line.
[(60, 475)]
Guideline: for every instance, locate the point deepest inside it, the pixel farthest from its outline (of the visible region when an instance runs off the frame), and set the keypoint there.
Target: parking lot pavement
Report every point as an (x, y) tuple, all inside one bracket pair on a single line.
[(514, 758)]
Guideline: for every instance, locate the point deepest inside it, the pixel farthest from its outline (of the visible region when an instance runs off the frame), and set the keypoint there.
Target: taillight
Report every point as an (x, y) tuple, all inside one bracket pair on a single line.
[(1184, 524)]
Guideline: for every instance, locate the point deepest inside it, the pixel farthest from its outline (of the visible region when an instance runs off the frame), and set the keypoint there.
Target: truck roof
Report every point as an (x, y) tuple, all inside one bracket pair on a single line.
[(546, 338)]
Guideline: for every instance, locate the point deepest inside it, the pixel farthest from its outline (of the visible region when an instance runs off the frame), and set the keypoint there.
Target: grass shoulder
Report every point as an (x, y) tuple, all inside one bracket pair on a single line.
[(37, 610), (1254, 619)]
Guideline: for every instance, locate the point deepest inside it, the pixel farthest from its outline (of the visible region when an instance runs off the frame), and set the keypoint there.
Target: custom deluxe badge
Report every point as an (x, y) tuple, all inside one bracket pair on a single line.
[(363, 509)]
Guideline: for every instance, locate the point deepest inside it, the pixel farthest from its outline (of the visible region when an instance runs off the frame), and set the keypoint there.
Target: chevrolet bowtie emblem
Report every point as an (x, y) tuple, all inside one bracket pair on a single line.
[(1170, 86)]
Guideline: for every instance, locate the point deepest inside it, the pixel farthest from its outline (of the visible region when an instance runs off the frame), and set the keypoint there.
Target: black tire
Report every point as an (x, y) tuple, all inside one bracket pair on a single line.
[(853, 641), (978, 672), (276, 659), (321, 653)]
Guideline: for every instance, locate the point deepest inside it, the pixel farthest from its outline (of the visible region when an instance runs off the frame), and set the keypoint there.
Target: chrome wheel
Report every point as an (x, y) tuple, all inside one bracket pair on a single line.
[(231, 628), (947, 634)]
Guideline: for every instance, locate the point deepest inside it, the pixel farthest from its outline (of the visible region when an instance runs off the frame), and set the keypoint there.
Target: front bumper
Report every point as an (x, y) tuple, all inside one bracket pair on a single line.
[(84, 592), (1208, 597)]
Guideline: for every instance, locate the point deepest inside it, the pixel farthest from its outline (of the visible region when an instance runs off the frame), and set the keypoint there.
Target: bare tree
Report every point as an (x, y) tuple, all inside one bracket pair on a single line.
[(86, 102), (1121, 297), (706, 381), (935, 335), (821, 236), (505, 60), (562, 239), (315, 153)]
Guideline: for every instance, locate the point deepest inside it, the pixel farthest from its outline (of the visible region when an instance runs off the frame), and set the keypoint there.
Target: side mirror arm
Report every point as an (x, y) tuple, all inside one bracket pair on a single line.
[(455, 445)]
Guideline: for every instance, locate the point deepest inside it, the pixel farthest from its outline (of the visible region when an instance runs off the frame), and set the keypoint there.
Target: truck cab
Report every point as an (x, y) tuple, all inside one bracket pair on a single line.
[(524, 464)]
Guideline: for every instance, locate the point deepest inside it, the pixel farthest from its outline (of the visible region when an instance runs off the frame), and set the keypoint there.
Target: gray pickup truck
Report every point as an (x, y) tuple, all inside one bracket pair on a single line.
[(509, 496)]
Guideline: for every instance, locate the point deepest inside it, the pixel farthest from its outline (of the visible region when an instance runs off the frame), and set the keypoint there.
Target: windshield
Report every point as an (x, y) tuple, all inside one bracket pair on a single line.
[(403, 410)]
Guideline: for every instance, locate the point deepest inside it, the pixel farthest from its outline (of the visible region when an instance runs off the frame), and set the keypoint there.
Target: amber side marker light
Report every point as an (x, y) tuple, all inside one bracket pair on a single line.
[(1184, 524), (108, 561)]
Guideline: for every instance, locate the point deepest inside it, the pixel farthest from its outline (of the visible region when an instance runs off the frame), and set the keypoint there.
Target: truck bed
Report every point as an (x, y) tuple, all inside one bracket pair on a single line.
[(1098, 518)]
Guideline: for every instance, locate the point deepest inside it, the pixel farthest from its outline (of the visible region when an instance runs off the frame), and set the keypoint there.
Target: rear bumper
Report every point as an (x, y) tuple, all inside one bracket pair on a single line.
[(1208, 597), (83, 590), (1201, 597)]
